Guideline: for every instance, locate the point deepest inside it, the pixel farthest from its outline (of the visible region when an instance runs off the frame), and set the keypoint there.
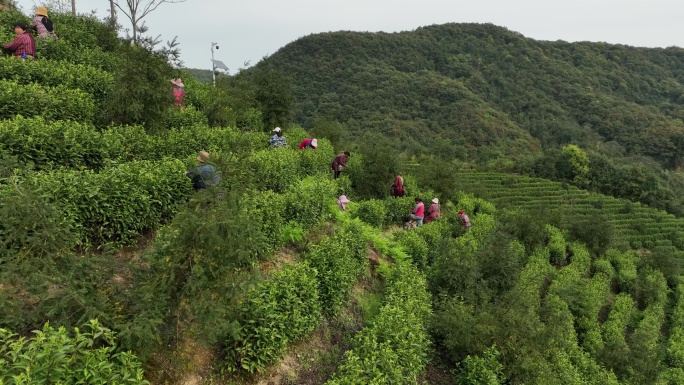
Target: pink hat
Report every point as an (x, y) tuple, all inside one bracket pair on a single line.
[(314, 142), (177, 82), (343, 199)]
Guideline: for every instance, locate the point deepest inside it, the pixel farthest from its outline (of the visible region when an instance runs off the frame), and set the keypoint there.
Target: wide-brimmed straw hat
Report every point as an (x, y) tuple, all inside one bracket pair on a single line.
[(41, 11), (435, 200), (314, 143), (177, 82)]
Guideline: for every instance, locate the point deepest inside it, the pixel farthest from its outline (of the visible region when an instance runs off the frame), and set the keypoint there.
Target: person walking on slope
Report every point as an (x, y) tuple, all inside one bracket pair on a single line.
[(309, 143), (340, 163), (205, 175), (418, 212), (398, 187), (434, 212), (278, 140), (23, 46), (464, 219), (43, 24)]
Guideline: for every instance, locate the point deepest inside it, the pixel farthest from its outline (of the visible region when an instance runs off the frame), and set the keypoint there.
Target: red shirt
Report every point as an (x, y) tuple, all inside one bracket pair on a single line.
[(23, 44), (419, 210), (340, 160), (306, 143)]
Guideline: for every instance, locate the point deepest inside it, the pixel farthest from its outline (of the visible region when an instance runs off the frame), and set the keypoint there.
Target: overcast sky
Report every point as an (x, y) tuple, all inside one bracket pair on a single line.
[(248, 30)]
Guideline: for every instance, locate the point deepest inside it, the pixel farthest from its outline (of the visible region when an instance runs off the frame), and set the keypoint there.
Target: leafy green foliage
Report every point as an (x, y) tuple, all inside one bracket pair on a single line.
[(393, 349), (372, 212), (53, 356), (484, 370), (52, 103), (275, 312), (339, 260), (116, 204)]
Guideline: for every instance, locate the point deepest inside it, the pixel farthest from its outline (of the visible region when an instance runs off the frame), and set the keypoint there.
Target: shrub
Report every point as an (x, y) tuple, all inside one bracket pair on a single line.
[(339, 260), (486, 370), (307, 201), (372, 212), (275, 169), (397, 209), (626, 268), (53, 356), (187, 117), (278, 310), (53, 73), (52, 103), (393, 348), (118, 203), (415, 246), (557, 248)]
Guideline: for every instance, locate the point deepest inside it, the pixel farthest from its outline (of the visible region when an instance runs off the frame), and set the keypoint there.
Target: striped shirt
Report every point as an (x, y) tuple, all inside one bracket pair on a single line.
[(23, 44)]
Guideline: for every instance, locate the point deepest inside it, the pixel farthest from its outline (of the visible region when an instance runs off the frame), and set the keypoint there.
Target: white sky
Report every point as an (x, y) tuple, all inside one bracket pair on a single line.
[(251, 29)]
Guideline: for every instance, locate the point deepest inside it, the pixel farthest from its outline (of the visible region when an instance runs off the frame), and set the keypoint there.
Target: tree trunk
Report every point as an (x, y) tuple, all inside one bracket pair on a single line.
[(73, 7), (112, 16)]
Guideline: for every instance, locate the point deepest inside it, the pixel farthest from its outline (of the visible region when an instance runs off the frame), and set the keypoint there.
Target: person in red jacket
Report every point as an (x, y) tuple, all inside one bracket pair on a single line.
[(418, 212), (309, 143), (434, 211), (340, 163), (398, 187)]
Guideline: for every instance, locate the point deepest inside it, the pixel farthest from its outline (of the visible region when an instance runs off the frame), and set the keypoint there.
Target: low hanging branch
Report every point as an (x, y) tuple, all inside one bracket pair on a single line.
[(136, 10)]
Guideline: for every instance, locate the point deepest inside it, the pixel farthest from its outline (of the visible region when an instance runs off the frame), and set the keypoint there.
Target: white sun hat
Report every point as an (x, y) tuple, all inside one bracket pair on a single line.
[(435, 200), (277, 129)]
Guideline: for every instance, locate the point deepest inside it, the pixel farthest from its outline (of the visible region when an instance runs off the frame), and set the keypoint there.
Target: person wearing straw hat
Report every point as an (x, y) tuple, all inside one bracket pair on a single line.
[(178, 92), (278, 140), (342, 202), (434, 212), (309, 143), (205, 175), (43, 24)]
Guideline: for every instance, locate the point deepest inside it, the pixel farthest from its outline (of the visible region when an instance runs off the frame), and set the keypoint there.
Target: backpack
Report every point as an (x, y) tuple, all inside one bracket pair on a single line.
[(48, 24)]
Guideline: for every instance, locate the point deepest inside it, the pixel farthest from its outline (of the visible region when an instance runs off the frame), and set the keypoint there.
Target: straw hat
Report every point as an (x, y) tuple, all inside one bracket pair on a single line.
[(41, 11), (177, 82), (343, 199), (314, 142), (203, 156), (435, 200)]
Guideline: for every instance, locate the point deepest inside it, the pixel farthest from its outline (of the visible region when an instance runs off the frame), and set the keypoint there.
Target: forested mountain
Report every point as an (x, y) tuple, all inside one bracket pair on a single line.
[(479, 92)]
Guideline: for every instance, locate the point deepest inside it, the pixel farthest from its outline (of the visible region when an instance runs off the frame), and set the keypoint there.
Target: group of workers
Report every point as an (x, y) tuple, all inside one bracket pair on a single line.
[(24, 45), (205, 176)]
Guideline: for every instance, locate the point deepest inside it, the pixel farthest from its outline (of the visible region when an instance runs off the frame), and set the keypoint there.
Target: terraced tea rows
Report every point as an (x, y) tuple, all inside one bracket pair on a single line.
[(635, 225)]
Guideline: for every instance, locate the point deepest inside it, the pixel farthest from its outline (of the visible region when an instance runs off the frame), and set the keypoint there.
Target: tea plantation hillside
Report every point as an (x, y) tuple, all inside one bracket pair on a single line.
[(497, 100), (115, 270)]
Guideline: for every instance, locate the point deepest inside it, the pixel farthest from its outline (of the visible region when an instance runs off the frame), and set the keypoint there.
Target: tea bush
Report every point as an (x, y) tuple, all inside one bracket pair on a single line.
[(53, 73), (275, 312), (339, 260), (186, 117), (393, 348), (415, 246), (397, 209), (557, 248), (276, 169), (307, 201), (118, 203), (371, 211), (55, 357), (52, 103)]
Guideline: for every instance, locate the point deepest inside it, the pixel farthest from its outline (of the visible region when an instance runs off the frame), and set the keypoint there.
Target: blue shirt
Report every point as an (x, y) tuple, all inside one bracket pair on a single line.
[(204, 176), (278, 141)]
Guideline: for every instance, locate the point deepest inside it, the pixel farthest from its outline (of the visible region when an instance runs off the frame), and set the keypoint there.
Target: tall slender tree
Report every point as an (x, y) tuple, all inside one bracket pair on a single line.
[(136, 10)]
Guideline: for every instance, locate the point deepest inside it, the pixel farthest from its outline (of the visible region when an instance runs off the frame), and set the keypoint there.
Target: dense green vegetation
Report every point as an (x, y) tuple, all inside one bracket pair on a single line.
[(499, 101), (114, 270)]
